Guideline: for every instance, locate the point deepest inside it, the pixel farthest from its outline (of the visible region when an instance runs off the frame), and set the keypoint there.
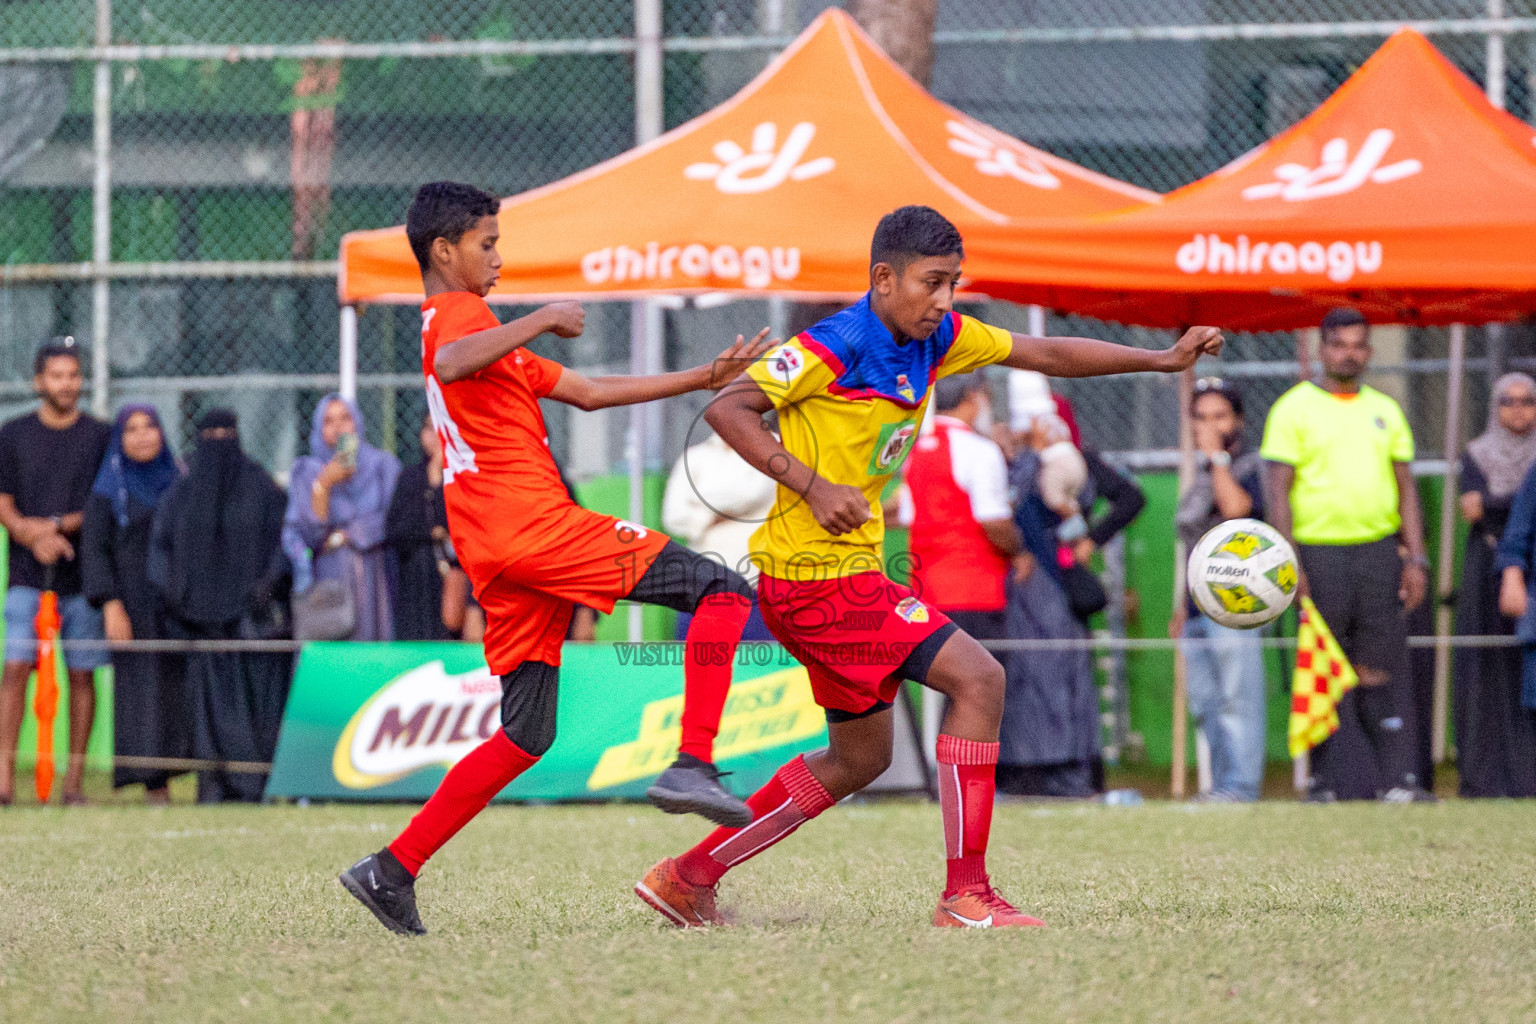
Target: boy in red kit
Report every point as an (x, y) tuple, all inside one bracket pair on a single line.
[(850, 393), (530, 551)]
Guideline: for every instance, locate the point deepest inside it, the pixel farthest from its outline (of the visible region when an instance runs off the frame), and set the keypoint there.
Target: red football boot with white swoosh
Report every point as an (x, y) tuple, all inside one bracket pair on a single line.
[(980, 906)]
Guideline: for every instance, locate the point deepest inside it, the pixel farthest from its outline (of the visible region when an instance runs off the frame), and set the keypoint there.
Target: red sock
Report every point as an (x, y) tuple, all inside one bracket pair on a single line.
[(712, 638), (463, 793), (967, 785), (788, 800)]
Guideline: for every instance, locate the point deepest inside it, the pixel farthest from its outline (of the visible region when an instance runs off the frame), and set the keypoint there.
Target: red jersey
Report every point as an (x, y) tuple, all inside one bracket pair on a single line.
[(952, 473), (528, 548), (503, 491)]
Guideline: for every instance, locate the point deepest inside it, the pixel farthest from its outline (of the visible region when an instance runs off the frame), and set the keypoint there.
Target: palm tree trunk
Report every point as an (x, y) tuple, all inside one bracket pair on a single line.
[(904, 30)]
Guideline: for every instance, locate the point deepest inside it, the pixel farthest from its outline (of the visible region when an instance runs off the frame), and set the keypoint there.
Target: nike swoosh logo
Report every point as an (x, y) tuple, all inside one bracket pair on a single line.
[(985, 922), (373, 880)]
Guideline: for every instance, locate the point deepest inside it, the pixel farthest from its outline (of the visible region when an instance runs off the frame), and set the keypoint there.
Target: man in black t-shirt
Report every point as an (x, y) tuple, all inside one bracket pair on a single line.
[(48, 461)]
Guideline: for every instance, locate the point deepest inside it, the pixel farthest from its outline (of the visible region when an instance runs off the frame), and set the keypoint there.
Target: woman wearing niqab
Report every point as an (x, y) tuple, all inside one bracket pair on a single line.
[(216, 559)]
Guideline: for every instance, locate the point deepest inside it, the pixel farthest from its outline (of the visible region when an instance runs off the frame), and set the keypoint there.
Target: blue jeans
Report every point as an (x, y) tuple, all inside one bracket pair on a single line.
[(1226, 696), (77, 621)]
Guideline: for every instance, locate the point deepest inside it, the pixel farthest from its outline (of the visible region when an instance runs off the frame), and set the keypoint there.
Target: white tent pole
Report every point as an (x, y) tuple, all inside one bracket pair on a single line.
[(644, 315), (347, 353), (648, 96), (1445, 579), (1037, 321), (101, 217), (1494, 72)]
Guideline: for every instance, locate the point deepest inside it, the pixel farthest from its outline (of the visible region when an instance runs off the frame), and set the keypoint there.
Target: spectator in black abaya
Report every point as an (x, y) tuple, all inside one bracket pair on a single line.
[(1050, 740), (1495, 736), (416, 532), (149, 706), (216, 560)]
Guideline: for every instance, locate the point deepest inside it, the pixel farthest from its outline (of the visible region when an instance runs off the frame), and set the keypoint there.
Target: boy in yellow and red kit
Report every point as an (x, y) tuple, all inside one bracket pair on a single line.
[(850, 393)]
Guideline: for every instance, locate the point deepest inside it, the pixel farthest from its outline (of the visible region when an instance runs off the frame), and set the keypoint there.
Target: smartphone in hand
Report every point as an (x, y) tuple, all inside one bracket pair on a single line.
[(346, 450)]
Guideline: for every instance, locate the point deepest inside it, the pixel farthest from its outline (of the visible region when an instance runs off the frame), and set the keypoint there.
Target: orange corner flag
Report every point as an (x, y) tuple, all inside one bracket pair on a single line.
[(45, 700), (1323, 675)]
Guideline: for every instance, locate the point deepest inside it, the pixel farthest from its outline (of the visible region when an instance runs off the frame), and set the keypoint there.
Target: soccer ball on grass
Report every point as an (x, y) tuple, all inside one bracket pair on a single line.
[(1242, 574)]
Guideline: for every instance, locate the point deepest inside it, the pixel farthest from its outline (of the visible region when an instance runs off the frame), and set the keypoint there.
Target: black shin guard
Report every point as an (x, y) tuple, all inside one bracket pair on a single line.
[(529, 699)]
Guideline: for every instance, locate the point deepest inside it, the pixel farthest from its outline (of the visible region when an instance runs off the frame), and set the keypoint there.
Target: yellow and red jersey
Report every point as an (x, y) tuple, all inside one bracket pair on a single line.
[(850, 399)]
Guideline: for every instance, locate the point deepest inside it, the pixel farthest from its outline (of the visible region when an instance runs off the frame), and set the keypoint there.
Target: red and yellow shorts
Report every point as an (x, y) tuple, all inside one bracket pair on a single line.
[(852, 634), (587, 559)]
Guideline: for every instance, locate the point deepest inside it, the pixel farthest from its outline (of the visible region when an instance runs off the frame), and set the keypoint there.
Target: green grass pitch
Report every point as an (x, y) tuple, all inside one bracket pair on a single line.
[(1275, 912)]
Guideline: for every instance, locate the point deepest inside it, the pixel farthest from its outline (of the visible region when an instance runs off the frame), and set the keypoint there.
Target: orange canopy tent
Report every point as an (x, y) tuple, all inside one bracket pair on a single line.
[(1405, 194), (776, 191)]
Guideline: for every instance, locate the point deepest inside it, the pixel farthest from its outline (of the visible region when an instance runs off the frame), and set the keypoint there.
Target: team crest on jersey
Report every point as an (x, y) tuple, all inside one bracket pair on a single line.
[(904, 389), (785, 363), (910, 609), (891, 447), (628, 531)]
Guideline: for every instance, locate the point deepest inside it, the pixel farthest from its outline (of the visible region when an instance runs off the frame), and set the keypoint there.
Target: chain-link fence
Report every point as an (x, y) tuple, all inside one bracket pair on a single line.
[(177, 172)]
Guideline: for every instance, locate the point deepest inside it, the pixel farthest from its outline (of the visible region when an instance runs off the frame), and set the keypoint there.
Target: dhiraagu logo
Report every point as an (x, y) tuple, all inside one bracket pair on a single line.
[(891, 448)]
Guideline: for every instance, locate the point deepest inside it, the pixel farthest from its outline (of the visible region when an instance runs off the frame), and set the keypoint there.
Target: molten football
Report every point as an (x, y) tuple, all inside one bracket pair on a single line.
[(1242, 574)]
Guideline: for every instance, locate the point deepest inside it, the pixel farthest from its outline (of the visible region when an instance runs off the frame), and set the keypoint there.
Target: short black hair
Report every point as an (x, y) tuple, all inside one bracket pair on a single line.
[(912, 233), (444, 209), (1343, 316), (949, 392), (63, 347), (1216, 386)]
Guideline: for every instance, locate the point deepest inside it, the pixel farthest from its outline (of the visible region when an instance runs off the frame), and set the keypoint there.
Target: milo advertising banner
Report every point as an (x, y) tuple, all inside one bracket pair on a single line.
[(386, 721)]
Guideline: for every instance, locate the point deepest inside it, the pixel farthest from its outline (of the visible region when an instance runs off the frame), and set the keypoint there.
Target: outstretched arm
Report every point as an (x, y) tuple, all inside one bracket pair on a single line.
[(474, 352), (590, 393), (1087, 357)]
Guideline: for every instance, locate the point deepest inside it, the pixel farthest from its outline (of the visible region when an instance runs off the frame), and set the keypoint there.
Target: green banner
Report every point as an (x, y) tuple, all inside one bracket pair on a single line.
[(386, 721)]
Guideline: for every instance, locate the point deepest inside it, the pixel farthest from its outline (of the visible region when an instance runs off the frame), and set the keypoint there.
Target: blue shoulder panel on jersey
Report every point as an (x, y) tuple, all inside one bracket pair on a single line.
[(868, 362)]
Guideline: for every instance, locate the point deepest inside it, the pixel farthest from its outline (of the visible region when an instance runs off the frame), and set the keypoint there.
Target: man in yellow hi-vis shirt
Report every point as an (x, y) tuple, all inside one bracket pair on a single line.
[(1337, 483)]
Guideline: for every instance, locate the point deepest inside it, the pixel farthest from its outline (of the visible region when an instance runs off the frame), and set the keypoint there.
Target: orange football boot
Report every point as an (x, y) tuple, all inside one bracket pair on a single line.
[(980, 906), (678, 900)]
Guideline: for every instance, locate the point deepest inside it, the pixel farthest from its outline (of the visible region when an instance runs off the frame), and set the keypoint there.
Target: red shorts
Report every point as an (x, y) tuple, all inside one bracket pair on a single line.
[(851, 633), (588, 559)]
